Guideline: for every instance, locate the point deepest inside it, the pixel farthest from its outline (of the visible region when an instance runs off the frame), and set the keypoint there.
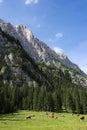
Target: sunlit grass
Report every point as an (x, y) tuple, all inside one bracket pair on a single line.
[(41, 121)]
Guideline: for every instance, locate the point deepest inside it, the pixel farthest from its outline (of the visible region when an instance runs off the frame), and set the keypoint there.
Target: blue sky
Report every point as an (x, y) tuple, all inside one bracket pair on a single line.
[(61, 24)]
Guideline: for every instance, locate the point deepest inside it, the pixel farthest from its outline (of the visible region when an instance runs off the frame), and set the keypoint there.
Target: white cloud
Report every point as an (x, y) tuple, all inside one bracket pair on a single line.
[(1, 1), (58, 50), (27, 2), (59, 35)]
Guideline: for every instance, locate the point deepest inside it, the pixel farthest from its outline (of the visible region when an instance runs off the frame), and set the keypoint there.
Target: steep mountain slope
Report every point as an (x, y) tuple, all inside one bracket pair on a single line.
[(16, 67), (37, 49), (41, 52)]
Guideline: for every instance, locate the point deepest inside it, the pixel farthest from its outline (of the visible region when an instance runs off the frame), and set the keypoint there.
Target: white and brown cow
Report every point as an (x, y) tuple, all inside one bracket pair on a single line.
[(81, 118)]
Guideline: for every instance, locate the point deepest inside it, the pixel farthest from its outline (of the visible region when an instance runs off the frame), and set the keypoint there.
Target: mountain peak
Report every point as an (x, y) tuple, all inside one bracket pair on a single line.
[(24, 31)]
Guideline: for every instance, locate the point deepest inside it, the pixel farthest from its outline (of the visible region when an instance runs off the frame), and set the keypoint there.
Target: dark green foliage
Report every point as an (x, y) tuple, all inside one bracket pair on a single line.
[(49, 102), (57, 101), (69, 103)]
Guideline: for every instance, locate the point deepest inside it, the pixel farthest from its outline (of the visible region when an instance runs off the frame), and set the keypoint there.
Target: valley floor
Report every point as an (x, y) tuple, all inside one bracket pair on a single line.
[(41, 121)]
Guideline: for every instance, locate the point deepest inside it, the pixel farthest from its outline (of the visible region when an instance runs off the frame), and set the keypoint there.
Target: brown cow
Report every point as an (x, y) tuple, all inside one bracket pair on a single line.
[(81, 118), (28, 117)]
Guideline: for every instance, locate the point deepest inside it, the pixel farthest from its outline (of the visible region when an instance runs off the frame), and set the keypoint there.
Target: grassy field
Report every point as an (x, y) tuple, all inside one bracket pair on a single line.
[(40, 121)]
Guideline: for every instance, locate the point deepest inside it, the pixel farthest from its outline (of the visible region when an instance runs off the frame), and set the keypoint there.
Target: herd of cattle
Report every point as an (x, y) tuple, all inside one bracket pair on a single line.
[(51, 115)]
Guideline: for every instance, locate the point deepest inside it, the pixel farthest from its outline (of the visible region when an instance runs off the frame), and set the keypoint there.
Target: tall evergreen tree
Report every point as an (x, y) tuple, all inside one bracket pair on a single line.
[(69, 103), (78, 105), (57, 101), (35, 99), (41, 100)]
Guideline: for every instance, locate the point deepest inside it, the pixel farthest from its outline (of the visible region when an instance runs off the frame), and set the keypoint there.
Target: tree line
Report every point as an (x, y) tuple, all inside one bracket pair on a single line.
[(69, 99)]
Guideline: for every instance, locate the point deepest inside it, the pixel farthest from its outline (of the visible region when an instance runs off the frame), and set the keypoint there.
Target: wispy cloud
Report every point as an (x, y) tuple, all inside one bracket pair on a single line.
[(1, 1), (56, 37), (28, 2), (59, 35), (58, 50)]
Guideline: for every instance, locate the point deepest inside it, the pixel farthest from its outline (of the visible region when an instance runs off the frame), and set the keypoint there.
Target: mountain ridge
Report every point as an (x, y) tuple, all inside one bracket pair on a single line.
[(38, 50)]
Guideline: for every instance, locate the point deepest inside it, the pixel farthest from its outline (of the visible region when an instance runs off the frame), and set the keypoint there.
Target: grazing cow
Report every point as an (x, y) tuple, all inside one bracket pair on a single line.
[(51, 115), (81, 118), (28, 117)]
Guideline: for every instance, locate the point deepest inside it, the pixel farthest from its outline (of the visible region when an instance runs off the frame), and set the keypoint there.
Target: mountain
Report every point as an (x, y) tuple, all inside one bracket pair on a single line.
[(40, 52), (37, 49), (17, 67), (34, 77)]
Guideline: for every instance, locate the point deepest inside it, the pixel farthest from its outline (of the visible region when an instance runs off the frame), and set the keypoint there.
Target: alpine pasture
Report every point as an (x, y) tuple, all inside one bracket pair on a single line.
[(42, 121)]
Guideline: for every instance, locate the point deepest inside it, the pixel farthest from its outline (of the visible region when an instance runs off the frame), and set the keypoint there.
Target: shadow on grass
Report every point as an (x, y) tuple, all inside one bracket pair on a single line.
[(11, 117), (8, 119)]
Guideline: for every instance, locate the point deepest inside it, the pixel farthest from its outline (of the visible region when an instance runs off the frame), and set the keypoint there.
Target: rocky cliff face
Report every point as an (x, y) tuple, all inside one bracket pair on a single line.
[(36, 48), (16, 67)]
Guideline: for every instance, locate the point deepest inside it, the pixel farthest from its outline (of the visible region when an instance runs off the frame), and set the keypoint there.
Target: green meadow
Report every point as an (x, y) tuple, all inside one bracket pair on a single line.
[(40, 121)]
